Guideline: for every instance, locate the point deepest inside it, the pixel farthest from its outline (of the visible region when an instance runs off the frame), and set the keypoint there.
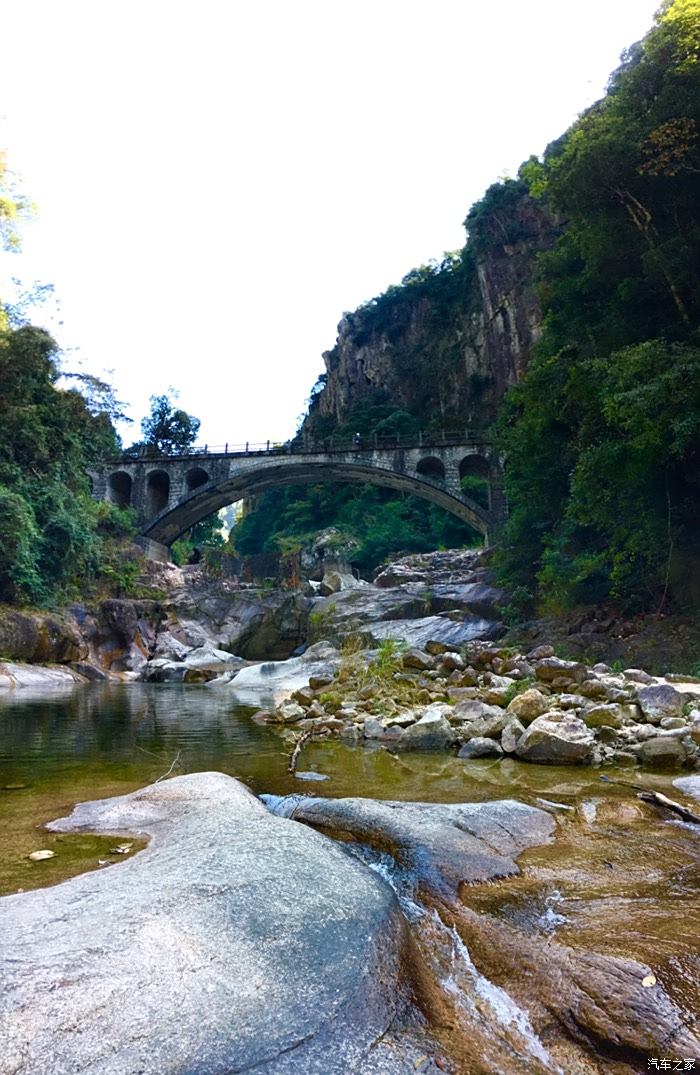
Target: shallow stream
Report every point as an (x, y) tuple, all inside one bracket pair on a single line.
[(618, 878)]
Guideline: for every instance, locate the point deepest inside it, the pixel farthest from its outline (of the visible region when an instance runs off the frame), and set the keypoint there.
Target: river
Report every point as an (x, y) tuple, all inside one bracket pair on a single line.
[(618, 878)]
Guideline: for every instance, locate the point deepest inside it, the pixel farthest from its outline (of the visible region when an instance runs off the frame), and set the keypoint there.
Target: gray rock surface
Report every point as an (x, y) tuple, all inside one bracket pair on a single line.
[(556, 738), (660, 700), (37, 677), (432, 732), (237, 941), (443, 845), (480, 747)]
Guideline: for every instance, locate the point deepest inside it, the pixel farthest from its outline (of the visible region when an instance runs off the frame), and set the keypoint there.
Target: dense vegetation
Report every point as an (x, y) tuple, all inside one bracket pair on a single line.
[(376, 521), (603, 435), (55, 540)]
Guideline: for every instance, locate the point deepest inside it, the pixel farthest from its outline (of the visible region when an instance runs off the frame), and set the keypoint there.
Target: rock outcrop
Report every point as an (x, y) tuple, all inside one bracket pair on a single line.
[(235, 941), (451, 344)]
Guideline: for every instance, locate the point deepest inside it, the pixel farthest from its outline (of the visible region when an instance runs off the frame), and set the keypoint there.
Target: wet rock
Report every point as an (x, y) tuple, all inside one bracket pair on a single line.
[(556, 738), (663, 752), (431, 732), (235, 941), (444, 846), (660, 700), (480, 747)]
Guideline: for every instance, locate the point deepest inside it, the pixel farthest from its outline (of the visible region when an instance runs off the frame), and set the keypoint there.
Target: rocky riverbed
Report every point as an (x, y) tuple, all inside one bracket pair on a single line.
[(487, 701), (421, 937)]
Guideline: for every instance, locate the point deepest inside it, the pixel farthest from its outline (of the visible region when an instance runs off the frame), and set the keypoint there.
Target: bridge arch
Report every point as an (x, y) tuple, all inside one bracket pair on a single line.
[(266, 473), (119, 487), (157, 491), (195, 477), (431, 467)]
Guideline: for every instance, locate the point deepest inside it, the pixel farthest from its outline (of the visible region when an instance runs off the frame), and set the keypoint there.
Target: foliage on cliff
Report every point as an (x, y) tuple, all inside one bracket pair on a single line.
[(602, 437), (381, 521), (52, 533)]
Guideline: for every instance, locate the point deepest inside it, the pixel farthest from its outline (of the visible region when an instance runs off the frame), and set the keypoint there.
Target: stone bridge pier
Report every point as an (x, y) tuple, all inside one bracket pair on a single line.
[(170, 494)]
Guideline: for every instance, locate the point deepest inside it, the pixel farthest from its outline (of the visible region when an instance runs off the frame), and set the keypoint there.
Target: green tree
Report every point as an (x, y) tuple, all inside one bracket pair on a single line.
[(168, 429)]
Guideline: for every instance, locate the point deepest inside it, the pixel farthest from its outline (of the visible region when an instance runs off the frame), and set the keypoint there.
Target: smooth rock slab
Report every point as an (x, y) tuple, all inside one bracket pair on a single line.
[(237, 941), (443, 845)]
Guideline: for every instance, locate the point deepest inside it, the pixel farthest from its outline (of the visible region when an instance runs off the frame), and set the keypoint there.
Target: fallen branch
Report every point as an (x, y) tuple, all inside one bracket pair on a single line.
[(172, 766), (298, 747), (656, 799)]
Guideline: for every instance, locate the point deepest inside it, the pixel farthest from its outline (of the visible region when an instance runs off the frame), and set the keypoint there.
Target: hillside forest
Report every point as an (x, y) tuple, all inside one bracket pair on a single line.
[(595, 246)]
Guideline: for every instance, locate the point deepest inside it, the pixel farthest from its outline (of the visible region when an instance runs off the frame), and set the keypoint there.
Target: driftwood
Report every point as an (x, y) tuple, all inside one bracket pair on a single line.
[(298, 747), (656, 798)]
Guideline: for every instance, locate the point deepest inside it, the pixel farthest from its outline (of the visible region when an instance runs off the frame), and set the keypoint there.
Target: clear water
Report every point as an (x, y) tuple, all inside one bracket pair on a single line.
[(618, 878)]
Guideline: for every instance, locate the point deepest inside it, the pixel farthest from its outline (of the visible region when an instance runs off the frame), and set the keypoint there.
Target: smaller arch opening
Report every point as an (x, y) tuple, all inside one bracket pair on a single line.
[(474, 472), (157, 491), (195, 478), (119, 489), (432, 468)]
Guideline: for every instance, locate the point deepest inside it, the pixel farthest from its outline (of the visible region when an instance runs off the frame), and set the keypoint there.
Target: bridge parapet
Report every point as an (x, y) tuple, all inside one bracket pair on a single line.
[(172, 493)]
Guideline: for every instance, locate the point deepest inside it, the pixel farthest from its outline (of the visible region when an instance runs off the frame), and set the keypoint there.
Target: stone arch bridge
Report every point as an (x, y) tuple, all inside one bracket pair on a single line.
[(170, 493)]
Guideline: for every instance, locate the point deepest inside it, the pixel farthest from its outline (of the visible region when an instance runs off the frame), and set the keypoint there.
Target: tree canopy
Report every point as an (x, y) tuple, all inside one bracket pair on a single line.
[(602, 437)]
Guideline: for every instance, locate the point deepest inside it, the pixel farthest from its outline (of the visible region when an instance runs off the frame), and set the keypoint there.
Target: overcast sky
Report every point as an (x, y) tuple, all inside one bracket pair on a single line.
[(217, 182)]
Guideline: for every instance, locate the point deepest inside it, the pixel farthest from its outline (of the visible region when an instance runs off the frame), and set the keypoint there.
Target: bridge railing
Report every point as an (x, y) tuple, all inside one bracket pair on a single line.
[(357, 442)]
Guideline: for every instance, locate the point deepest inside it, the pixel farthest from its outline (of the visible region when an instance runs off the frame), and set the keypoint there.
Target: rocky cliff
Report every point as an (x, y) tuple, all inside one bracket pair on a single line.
[(452, 338)]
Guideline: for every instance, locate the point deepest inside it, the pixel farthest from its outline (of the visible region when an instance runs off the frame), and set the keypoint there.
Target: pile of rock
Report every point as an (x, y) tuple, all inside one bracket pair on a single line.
[(485, 700), (177, 663)]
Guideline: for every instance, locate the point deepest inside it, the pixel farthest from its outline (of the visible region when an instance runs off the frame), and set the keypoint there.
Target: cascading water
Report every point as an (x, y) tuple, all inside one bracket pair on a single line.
[(502, 1032)]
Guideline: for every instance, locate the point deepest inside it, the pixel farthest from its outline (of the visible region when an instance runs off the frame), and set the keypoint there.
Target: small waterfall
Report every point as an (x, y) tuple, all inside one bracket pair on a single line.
[(488, 1012)]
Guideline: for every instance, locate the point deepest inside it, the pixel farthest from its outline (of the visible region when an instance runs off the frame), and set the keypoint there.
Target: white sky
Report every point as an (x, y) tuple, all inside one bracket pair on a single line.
[(218, 181)]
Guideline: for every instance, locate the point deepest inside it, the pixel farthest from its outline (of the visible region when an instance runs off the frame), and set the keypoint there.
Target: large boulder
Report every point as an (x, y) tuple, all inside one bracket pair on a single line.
[(528, 705), (660, 700), (28, 677), (236, 941), (662, 752), (551, 668), (432, 732), (556, 738), (39, 637)]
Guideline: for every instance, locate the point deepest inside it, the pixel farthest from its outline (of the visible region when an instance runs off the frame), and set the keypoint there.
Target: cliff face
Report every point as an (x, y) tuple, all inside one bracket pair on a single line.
[(449, 341)]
